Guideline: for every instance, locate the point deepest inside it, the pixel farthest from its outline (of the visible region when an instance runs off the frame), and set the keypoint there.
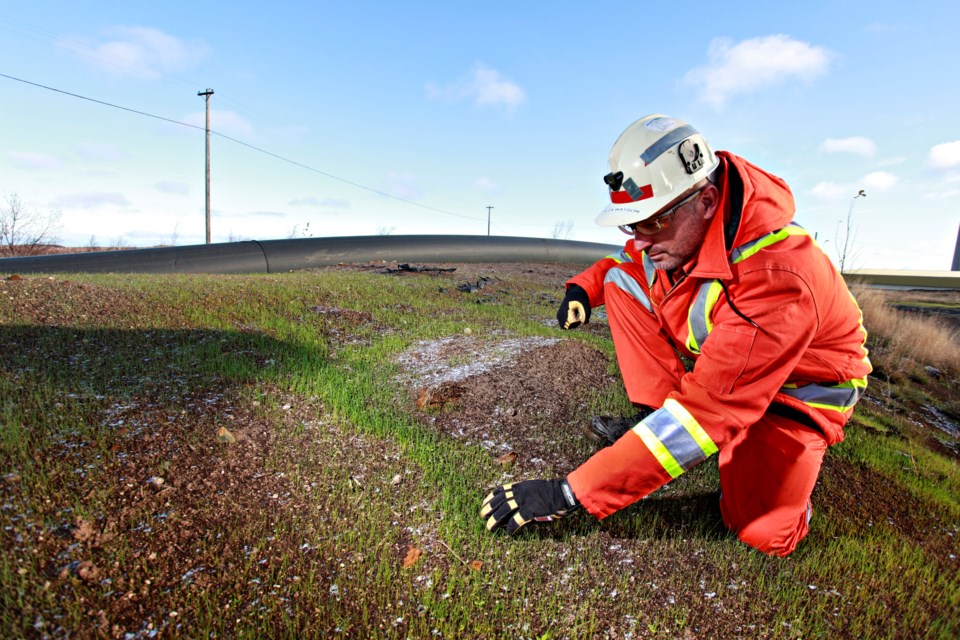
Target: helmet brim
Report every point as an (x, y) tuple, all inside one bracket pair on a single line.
[(614, 214)]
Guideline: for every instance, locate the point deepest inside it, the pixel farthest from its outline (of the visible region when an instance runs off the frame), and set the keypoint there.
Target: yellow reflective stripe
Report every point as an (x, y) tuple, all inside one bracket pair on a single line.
[(742, 253), (675, 438), (658, 450), (693, 427), (699, 320), (699, 317)]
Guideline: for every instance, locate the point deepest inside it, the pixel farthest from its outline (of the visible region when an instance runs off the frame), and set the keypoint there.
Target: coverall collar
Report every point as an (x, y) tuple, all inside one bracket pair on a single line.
[(767, 205)]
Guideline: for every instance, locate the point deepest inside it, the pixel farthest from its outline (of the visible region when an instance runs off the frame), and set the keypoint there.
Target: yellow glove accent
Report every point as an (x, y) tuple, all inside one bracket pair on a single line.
[(575, 313), (485, 508)]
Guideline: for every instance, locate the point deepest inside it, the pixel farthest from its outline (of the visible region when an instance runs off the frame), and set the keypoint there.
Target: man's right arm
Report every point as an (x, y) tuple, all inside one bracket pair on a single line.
[(591, 279)]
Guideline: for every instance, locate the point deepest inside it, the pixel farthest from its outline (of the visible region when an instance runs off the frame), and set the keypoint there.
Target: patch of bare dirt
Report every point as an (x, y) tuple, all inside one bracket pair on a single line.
[(55, 301), (215, 500), (524, 396), (171, 499)]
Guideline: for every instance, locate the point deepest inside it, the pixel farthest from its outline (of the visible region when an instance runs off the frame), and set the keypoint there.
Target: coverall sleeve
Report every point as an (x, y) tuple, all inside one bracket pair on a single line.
[(591, 279), (740, 369)]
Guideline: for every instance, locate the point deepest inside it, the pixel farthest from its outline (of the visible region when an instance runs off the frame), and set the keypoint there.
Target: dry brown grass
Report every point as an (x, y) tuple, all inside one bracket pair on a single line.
[(902, 342)]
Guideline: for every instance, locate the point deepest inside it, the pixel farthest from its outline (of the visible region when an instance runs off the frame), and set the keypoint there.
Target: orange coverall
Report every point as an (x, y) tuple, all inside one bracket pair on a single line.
[(779, 356)]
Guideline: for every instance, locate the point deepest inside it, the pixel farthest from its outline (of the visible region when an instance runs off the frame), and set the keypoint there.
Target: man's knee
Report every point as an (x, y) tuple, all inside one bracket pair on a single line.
[(774, 535)]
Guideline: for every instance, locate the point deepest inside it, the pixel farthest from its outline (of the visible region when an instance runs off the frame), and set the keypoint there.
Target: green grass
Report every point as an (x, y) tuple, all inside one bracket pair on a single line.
[(134, 374)]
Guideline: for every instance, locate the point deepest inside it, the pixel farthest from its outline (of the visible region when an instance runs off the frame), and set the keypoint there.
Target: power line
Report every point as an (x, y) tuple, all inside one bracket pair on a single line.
[(242, 143), (107, 104)]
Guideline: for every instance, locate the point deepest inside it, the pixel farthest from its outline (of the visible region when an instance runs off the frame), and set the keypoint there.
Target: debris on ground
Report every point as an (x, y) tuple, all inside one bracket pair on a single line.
[(406, 268)]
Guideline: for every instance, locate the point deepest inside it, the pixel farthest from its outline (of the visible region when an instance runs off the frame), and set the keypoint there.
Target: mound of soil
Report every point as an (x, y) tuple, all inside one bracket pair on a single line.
[(526, 400)]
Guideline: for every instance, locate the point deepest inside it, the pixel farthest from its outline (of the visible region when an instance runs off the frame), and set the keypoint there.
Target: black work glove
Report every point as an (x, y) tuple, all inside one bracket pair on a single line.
[(513, 505), (575, 308)]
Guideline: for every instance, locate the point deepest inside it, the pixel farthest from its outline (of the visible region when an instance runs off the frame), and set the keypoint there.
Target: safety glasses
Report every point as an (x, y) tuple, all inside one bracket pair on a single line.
[(658, 223)]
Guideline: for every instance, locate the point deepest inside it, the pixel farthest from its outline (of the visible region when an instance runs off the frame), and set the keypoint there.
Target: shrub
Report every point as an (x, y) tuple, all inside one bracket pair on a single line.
[(901, 342)]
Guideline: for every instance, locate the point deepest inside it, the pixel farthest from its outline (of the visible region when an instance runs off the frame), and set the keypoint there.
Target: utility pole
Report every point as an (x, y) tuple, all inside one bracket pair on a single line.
[(488, 219), (206, 97), (956, 254)]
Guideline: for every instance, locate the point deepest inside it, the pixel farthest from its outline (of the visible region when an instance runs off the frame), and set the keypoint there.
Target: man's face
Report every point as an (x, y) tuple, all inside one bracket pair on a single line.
[(672, 247)]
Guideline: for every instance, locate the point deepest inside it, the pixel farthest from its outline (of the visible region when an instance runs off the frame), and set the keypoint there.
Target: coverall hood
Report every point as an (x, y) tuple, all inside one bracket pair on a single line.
[(754, 203)]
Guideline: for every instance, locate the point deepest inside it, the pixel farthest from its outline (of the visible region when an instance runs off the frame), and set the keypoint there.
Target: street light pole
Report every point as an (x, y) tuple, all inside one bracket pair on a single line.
[(488, 218), (206, 97), (846, 238)]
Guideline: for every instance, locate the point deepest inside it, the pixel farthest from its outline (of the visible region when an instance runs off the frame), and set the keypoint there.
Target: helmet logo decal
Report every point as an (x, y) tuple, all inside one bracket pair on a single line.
[(690, 155), (631, 192), (660, 124)]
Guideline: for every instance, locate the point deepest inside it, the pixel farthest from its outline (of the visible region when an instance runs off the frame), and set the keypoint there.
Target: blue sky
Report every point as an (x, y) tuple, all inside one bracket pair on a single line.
[(409, 118)]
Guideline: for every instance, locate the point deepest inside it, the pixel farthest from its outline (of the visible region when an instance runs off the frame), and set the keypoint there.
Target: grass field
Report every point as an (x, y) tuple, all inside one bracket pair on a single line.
[(304, 455)]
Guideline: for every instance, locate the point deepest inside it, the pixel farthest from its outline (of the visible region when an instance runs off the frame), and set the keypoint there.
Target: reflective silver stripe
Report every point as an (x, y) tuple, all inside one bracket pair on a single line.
[(670, 139), (837, 397), (675, 438), (626, 283), (620, 257), (699, 318), (649, 269)]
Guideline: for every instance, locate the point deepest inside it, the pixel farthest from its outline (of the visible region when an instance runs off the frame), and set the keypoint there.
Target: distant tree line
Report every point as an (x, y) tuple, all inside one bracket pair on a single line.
[(25, 231)]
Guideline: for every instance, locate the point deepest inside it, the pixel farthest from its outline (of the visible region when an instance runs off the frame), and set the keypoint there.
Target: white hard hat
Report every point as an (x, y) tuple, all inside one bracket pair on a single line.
[(655, 160)]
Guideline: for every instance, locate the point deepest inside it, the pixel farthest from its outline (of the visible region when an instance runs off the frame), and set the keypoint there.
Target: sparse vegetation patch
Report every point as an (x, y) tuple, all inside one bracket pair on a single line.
[(304, 455)]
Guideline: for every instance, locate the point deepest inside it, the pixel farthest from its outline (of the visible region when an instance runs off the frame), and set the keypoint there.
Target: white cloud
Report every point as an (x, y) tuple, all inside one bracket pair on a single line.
[(486, 184), (89, 200), (754, 64), (879, 181), (830, 190), (856, 145), (948, 194), (484, 86), (225, 122), (875, 181), (257, 214), (403, 186), (311, 201), (141, 51), (178, 188), (945, 156), (96, 152), (29, 160)]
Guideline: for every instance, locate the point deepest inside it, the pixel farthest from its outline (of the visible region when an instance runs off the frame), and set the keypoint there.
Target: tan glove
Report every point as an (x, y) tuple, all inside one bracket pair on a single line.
[(575, 308)]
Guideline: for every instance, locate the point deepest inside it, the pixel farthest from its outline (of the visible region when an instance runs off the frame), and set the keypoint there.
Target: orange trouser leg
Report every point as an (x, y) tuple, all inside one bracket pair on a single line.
[(767, 474), (648, 363)]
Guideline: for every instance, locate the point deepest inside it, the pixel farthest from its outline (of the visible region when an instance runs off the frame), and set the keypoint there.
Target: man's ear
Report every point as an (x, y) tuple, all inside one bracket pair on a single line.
[(710, 199)]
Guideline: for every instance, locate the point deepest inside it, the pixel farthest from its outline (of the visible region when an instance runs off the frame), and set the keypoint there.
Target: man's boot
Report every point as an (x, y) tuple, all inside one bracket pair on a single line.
[(605, 430)]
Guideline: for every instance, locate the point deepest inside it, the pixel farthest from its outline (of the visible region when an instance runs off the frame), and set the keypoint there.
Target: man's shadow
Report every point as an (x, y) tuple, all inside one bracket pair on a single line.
[(656, 517), (57, 362)]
